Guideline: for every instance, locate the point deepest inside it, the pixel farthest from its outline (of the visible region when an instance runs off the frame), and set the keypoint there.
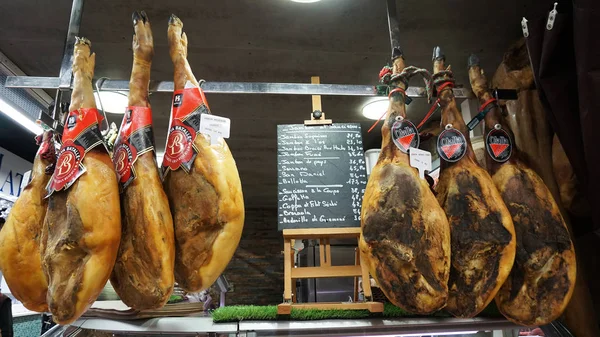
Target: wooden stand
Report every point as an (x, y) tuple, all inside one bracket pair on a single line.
[(325, 269)]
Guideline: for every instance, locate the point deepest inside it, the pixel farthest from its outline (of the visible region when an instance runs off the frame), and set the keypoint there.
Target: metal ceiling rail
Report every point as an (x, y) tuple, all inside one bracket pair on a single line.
[(233, 87)]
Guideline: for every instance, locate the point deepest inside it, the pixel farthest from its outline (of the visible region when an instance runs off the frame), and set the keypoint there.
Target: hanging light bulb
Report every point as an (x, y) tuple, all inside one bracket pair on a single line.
[(113, 102)]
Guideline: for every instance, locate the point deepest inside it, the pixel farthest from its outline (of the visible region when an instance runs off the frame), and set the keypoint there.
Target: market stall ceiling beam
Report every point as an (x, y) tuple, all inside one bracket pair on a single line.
[(233, 87)]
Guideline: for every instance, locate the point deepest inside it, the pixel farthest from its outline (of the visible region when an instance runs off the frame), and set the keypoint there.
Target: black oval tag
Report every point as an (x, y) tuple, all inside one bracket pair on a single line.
[(451, 145), (405, 135), (498, 145)]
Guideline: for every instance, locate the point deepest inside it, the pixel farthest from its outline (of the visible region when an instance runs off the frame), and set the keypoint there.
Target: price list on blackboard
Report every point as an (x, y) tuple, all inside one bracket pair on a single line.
[(321, 175)]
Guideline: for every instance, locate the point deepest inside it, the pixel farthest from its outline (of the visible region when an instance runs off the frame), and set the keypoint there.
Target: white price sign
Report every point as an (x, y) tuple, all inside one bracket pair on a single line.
[(421, 160), (214, 126)]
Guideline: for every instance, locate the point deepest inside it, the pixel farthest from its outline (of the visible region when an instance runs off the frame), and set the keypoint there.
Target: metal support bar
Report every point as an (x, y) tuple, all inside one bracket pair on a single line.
[(66, 72), (65, 66), (394, 27), (235, 87)]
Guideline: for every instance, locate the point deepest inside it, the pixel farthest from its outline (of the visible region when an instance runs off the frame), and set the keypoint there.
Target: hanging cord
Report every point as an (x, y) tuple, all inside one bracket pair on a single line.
[(444, 80), (436, 105), (483, 110), (104, 126), (388, 79), (400, 90)]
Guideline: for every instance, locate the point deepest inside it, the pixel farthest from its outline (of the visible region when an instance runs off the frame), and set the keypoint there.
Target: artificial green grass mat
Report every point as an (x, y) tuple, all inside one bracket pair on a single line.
[(269, 313)]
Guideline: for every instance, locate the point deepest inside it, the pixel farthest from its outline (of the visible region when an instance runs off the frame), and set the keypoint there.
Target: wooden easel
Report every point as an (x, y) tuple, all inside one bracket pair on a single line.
[(325, 269), (317, 109)]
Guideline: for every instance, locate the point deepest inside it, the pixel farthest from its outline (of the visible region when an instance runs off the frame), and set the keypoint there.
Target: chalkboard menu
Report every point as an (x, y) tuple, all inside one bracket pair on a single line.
[(321, 175)]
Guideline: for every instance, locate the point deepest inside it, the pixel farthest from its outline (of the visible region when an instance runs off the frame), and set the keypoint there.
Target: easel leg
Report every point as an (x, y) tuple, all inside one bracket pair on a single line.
[(357, 263), (366, 279), (327, 252), (294, 289), (287, 270)]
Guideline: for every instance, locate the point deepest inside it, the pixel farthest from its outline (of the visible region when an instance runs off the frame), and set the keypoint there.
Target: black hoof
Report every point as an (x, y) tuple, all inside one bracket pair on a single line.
[(173, 19), (473, 60), (437, 54), (135, 17)]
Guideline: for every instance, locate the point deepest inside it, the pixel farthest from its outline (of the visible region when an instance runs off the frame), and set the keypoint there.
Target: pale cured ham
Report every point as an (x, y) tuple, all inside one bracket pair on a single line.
[(143, 274), (542, 280), (405, 235), (82, 227), (201, 181), (20, 260), (482, 232)]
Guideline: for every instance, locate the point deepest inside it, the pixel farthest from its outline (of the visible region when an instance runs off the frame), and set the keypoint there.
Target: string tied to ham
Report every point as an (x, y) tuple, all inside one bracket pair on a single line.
[(436, 105), (390, 87), (483, 110)]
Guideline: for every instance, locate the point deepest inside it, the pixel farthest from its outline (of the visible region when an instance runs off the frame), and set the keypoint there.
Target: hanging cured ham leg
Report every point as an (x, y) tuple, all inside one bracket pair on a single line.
[(482, 232), (405, 235), (201, 181), (82, 228), (542, 280), (20, 260), (143, 273)]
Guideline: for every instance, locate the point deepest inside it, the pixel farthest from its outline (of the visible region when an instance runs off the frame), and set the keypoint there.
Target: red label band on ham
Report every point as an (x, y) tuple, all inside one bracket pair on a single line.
[(135, 138), (81, 134), (180, 152)]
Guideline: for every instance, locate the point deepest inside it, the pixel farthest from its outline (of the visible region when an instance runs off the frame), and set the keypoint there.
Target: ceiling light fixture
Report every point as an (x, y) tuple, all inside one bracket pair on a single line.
[(159, 157), (113, 102), (306, 1), (376, 108), (19, 117)]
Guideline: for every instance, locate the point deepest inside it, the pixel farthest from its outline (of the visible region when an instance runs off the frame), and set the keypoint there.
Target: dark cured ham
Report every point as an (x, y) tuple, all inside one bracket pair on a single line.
[(482, 232), (405, 235), (542, 280)]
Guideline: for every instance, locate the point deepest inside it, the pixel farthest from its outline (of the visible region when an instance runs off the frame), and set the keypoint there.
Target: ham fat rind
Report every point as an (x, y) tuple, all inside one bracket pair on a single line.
[(82, 227), (542, 280), (20, 260), (482, 232), (207, 203), (405, 235), (143, 274)]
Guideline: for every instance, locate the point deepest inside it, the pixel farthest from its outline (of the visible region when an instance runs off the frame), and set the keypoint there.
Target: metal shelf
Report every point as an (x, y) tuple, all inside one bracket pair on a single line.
[(162, 325), (363, 327)]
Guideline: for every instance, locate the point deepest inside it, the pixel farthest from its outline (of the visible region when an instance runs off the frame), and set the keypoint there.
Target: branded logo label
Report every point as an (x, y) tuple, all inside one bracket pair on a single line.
[(180, 150), (123, 159), (498, 145), (451, 145), (177, 99), (71, 121), (135, 138), (405, 135), (68, 166), (80, 136)]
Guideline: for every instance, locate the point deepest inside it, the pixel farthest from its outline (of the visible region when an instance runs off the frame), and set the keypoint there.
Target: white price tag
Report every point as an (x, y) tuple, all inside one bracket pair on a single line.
[(421, 160), (215, 127)]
